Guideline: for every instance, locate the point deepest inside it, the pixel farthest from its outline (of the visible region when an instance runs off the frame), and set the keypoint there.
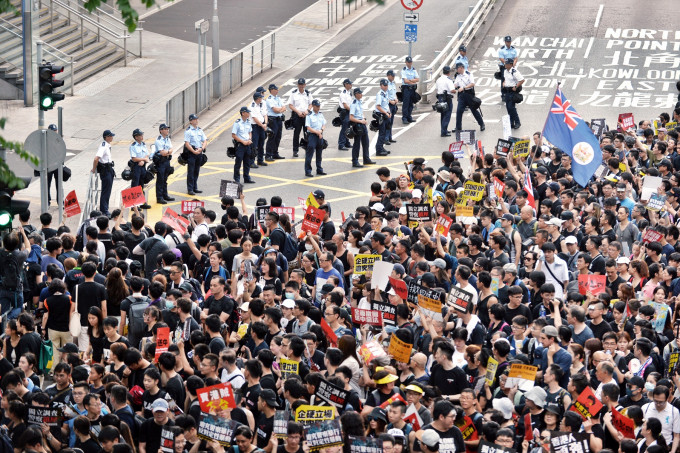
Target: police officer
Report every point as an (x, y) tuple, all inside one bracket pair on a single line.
[(512, 84), (104, 166), (315, 124), (381, 112), (392, 97), (344, 100), (140, 156), (464, 84), (242, 133), (259, 119), (300, 102), (194, 141), (409, 79), (356, 117), (161, 160), (462, 57), (505, 52), (445, 90), (275, 110)]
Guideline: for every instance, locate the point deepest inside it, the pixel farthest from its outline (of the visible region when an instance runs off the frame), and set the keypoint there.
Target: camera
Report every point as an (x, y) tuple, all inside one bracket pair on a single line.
[(440, 106)]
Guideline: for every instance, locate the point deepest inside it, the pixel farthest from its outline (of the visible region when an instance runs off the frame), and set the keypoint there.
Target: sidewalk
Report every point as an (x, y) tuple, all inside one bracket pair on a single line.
[(125, 98)]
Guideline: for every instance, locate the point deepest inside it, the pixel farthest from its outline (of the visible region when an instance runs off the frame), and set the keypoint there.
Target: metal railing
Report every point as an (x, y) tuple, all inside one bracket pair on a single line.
[(466, 31), (221, 81), (336, 9)]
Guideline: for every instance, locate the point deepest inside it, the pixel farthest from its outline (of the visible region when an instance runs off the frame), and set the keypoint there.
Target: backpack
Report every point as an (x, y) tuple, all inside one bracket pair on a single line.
[(196, 285), (201, 267), (136, 318), (10, 271), (290, 246), (6, 445)]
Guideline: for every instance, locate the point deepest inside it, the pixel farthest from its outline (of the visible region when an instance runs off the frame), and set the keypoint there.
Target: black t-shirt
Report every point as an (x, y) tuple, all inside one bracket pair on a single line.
[(219, 306), (88, 295), (150, 433), (523, 310), (131, 241), (597, 265), (148, 399), (614, 286), (250, 397), (30, 342), (449, 382), (268, 381), (58, 308), (263, 429), (175, 389), (137, 377), (451, 440), (599, 329), (282, 449), (277, 237), (106, 345)]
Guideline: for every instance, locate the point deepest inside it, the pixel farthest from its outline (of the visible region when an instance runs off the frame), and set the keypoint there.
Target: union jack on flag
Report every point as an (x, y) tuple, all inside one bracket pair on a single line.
[(529, 189), (562, 106)]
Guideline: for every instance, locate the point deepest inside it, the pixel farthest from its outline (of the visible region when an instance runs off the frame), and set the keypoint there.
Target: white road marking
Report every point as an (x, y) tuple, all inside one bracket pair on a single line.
[(599, 16), (590, 45)]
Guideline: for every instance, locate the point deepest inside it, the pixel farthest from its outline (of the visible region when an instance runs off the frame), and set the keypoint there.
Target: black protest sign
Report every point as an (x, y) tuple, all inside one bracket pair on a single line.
[(503, 147), (281, 424), (365, 445), (389, 312), (51, 416), (672, 363), (343, 227), (598, 126), (459, 299), (260, 214), (415, 290), (486, 447), (231, 189), (167, 441), (218, 429), (324, 434), (421, 212), (332, 394), (569, 442), (466, 136)]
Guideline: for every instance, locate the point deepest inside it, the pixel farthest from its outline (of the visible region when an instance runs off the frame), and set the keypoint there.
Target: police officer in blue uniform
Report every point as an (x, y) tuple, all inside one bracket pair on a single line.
[(139, 155), (161, 160), (258, 117), (315, 124), (462, 57), (242, 133), (356, 117), (464, 84), (344, 101), (409, 80), (505, 52), (194, 141), (382, 114), (392, 98), (104, 166), (275, 111)]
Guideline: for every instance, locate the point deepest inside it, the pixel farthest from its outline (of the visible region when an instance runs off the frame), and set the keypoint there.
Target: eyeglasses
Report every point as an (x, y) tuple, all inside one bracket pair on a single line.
[(659, 403)]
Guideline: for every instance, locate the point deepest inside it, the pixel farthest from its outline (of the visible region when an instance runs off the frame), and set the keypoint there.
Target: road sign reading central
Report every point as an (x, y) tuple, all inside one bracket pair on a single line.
[(411, 17), (410, 32)]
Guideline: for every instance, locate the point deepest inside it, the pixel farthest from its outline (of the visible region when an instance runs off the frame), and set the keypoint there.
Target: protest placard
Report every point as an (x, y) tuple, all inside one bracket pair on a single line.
[(411, 416), (626, 121), (464, 211), (231, 189), (672, 363), (421, 212), (467, 428), (522, 376), (561, 442), (260, 214), (487, 447), (520, 148), (332, 394), (650, 185), (598, 126), (364, 263), (651, 236), (50, 416), (656, 202), (389, 312), (660, 315), (596, 284), (323, 435), (330, 334), (162, 341), (466, 136), (288, 367), (172, 219), (401, 351), (399, 287), (167, 440), (498, 188), (491, 368), (71, 205), (432, 308), (587, 404), (288, 210), (415, 289), (313, 219), (371, 351), (459, 298), (281, 419), (216, 398), (365, 445), (380, 276), (623, 424), (474, 190), (308, 415), (362, 316), (311, 200), (133, 196), (188, 206), (443, 224), (456, 148), (503, 147), (392, 399), (221, 430)]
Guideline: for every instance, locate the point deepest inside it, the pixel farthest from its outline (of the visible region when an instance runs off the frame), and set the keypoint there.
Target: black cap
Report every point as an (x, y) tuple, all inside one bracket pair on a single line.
[(163, 126), (390, 73), (567, 215), (636, 381), (257, 95), (193, 116), (542, 170), (383, 82), (108, 133), (52, 127), (346, 81), (509, 61), (357, 90), (318, 193), (666, 163), (260, 90), (244, 109), (137, 132), (462, 49), (69, 348), (508, 38), (301, 81), (273, 87), (316, 102), (447, 69), (409, 60)]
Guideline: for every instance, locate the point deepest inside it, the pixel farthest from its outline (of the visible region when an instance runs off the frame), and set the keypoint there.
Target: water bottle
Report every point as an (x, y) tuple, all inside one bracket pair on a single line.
[(541, 311)]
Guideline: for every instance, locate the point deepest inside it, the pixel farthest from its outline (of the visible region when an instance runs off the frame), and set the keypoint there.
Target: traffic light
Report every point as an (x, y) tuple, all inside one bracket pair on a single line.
[(9, 207), (48, 97)]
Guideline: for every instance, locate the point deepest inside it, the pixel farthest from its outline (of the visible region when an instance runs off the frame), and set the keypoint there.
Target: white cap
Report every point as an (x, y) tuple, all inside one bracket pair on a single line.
[(417, 193), (622, 260), (396, 432), (570, 240), (288, 303), (554, 221), (379, 207), (402, 210), (503, 405), (244, 306)]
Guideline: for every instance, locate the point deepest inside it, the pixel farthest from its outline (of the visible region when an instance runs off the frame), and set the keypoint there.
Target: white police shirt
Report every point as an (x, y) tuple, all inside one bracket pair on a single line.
[(301, 101), (104, 152), (445, 84), (512, 78), (258, 111), (463, 80), (344, 98)]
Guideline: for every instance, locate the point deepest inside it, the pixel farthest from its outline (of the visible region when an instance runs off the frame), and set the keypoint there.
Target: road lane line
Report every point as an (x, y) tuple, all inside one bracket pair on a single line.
[(599, 16), (590, 45)]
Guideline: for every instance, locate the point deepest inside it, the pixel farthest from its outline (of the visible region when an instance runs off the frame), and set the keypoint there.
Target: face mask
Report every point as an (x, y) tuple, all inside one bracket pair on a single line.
[(308, 247), (629, 392), (169, 305), (649, 386), (290, 296)]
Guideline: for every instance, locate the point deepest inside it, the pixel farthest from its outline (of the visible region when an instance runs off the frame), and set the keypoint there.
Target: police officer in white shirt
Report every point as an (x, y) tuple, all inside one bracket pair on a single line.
[(445, 90), (300, 102), (465, 86), (194, 144), (140, 156), (161, 160), (258, 118), (104, 166), (512, 85), (344, 100)]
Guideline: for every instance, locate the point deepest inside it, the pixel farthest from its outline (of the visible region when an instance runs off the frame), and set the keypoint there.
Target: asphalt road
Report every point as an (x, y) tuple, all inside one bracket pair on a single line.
[(609, 62), (240, 22)]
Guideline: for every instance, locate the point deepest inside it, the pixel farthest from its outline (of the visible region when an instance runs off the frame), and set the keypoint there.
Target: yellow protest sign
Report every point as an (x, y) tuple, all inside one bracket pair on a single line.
[(491, 368), (311, 201), (465, 211), (461, 201), (521, 376), (474, 190), (307, 414), (520, 148), (364, 263), (399, 350), (288, 367), (431, 307)]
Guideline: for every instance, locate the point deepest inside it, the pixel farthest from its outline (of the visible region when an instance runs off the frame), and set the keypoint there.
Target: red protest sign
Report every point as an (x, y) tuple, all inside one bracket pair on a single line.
[(528, 428), (443, 225), (188, 206), (596, 284), (362, 316), (399, 287), (480, 148), (313, 219), (162, 341), (498, 187), (133, 196), (467, 428), (623, 424), (651, 236), (289, 211), (587, 404), (627, 121), (172, 219), (455, 146), (329, 332), (216, 398), (71, 205)]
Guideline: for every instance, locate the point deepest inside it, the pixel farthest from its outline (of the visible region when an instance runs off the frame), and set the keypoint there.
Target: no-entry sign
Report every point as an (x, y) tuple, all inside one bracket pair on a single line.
[(412, 4)]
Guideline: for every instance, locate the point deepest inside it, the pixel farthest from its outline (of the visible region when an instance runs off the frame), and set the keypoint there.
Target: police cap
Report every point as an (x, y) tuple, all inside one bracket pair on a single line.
[(193, 116), (316, 102), (383, 82), (390, 73), (447, 69), (409, 60), (508, 38), (357, 90), (108, 133), (257, 95), (52, 127), (459, 65), (346, 81), (301, 81), (273, 87), (137, 132), (462, 49), (260, 90), (244, 109), (163, 126), (509, 61)]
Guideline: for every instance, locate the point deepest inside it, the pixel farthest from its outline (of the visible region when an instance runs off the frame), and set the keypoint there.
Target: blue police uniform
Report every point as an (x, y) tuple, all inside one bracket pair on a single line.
[(314, 121), (162, 164), (360, 139), (382, 101), (242, 128), (392, 98), (461, 59), (276, 125), (408, 92), (196, 137), (138, 149)]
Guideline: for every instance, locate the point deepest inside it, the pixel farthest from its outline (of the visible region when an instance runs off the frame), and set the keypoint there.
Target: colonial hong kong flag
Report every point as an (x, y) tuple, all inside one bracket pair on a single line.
[(529, 189), (565, 129)]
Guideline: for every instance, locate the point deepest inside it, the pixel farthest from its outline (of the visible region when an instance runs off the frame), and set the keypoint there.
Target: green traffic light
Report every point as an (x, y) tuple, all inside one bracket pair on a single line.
[(47, 102), (5, 219)]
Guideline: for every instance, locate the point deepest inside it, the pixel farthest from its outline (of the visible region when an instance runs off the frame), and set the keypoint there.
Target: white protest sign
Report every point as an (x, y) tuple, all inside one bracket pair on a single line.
[(381, 274)]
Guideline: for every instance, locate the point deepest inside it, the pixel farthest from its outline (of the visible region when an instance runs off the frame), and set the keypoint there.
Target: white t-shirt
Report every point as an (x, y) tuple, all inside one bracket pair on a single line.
[(669, 418)]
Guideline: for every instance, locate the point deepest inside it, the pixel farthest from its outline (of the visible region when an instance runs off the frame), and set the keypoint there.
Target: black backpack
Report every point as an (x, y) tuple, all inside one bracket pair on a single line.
[(136, 318), (290, 246), (10, 271), (201, 267)]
